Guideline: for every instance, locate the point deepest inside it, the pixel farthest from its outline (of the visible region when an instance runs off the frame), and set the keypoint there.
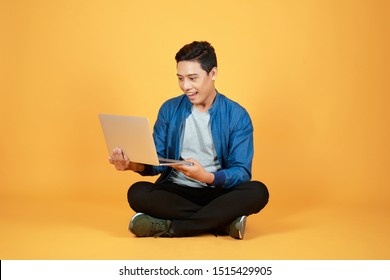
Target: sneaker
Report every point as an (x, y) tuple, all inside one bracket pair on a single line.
[(143, 225), (236, 229)]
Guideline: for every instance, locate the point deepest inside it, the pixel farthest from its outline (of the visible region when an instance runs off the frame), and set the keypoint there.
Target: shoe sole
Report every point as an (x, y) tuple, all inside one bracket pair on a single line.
[(132, 220), (240, 226), (131, 224)]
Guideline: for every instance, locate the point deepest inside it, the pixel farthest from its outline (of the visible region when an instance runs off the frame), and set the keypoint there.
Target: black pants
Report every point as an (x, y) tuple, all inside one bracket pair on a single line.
[(197, 210)]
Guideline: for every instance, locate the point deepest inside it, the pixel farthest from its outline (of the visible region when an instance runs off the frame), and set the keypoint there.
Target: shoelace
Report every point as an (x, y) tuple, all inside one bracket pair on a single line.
[(163, 234), (162, 229)]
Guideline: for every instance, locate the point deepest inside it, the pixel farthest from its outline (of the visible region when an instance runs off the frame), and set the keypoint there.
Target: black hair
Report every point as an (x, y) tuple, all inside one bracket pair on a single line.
[(200, 51)]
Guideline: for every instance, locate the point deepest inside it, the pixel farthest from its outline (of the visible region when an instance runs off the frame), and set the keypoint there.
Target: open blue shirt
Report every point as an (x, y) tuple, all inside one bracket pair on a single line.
[(231, 129)]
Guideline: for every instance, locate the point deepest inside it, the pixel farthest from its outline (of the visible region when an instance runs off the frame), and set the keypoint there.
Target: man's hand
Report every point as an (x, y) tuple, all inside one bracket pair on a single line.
[(195, 171), (122, 162)]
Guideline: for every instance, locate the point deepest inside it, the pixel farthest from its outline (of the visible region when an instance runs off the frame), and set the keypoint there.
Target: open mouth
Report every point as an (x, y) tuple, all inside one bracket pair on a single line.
[(191, 95)]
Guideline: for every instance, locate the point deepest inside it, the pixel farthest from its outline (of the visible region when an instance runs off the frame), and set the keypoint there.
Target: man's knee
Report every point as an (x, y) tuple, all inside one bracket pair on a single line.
[(259, 194), (136, 193), (263, 191)]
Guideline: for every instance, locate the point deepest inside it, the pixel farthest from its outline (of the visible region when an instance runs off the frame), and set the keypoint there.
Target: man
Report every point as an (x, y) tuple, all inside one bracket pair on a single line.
[(202, 126)]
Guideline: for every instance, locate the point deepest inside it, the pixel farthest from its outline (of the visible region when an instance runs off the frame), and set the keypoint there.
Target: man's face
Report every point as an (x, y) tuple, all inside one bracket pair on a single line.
[(197, 84)]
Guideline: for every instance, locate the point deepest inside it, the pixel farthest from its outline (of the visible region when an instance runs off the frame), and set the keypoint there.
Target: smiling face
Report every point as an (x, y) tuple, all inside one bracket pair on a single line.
[(197, 84)]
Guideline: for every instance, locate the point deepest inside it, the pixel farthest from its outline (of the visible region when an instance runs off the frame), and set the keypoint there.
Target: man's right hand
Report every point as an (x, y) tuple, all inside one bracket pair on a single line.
[(122, 162)]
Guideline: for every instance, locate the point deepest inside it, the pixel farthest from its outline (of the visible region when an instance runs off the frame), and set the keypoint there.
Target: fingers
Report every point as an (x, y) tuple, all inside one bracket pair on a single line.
[(119, 159), (191, 163), (192, 160), (186, 168), (182, 167), (117, 153), (176, 166)]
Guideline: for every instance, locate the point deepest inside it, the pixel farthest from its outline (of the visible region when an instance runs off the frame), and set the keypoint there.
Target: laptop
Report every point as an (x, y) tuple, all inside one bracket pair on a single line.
[(134, 136)]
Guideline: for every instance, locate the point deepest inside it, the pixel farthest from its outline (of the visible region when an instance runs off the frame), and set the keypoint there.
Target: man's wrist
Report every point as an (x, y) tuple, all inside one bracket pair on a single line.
[(209, 178), (136, 167)]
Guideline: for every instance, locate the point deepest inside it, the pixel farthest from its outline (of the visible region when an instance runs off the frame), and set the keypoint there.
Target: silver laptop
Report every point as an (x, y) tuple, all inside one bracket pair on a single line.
[(134, 136)]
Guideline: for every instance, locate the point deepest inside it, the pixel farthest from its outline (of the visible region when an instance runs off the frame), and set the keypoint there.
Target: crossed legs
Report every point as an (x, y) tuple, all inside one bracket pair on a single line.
[(193, 211)]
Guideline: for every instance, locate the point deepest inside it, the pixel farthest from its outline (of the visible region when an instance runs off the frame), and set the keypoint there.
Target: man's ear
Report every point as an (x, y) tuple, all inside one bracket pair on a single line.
[(214, 73)]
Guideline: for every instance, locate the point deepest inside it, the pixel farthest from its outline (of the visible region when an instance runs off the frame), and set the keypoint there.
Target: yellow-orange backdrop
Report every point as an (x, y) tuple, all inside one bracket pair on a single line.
[(312, 74)]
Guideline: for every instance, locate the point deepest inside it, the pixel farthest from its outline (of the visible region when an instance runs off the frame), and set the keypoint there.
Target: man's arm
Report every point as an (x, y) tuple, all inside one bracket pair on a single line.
[(236, 156)]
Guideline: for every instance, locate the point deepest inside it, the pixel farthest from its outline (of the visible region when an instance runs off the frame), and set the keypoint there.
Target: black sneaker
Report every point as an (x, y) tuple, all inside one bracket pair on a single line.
[(143, 225), (236, 229)]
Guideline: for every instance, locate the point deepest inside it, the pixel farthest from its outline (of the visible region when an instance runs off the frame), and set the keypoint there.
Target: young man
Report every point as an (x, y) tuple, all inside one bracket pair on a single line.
[(215, 194)]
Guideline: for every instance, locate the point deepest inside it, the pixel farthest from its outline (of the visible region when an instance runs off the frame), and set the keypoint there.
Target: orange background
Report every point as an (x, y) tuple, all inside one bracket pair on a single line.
[(312, 74)]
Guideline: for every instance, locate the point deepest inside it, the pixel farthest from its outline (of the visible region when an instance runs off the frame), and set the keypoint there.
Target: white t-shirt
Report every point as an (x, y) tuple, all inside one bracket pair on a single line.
[(197, 144)]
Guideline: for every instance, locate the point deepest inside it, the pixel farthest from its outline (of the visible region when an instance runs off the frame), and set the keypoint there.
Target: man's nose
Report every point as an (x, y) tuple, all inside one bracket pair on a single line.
[(186, 85)]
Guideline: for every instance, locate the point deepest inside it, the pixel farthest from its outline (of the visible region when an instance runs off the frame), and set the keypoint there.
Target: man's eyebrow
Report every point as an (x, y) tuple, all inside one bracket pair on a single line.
[(189, 75)]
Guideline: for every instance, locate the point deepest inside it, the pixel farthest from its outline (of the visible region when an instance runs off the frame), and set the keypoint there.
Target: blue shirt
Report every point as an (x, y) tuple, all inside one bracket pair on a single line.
[(231, 129)]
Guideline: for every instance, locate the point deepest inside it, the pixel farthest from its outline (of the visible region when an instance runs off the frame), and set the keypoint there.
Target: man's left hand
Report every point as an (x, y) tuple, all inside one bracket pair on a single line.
[(195, 171)]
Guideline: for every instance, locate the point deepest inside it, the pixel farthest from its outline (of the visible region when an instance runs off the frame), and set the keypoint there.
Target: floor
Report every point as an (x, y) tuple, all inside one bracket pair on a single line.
[(55, 227)]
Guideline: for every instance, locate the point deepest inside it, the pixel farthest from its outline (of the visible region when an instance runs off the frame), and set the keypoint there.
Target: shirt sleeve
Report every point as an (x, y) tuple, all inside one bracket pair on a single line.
[(237, 168)]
